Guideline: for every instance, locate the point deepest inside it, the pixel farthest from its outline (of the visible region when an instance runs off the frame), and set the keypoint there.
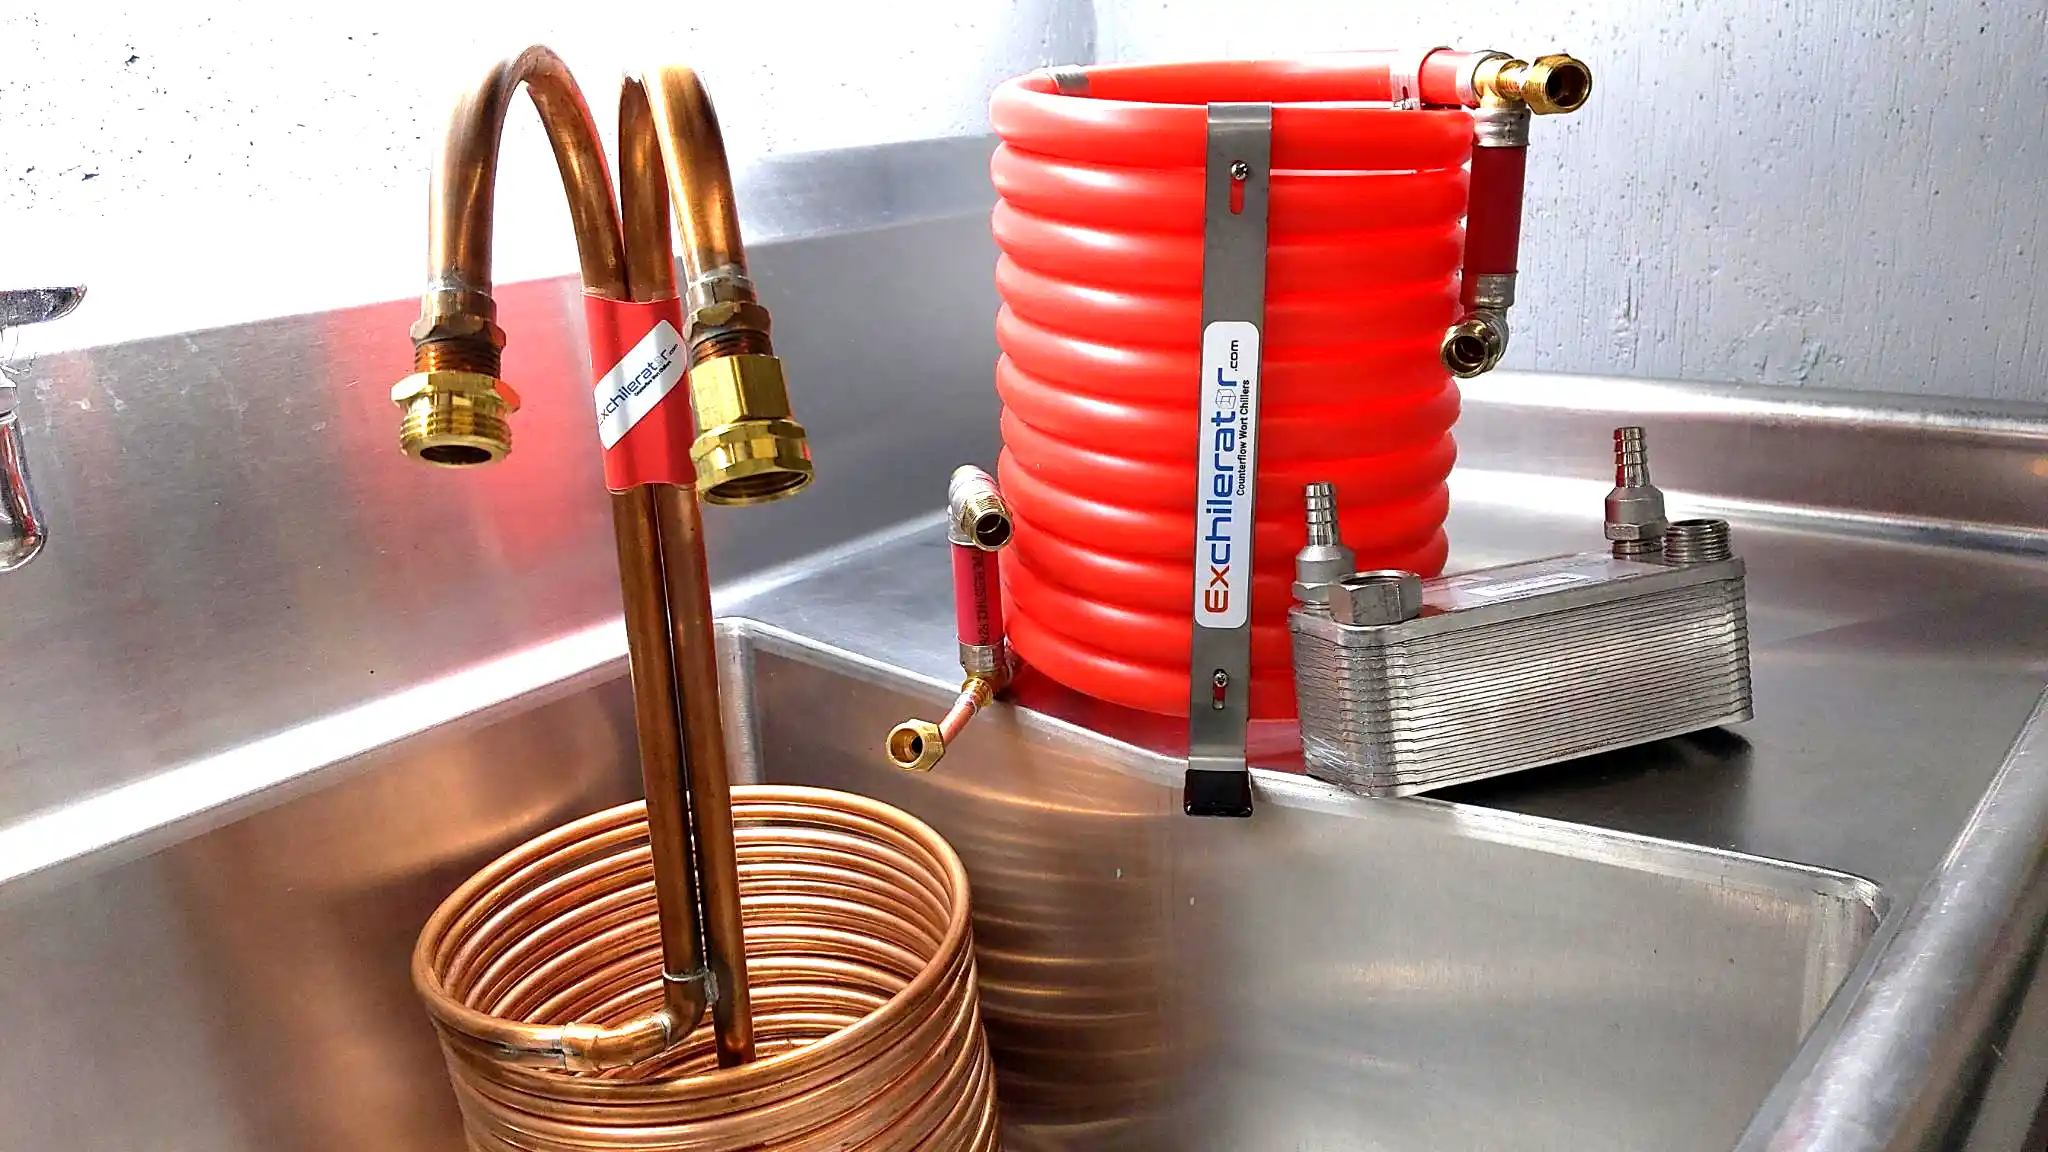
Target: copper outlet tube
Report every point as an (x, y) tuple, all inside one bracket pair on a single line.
[(866, 1008), (461, 198)]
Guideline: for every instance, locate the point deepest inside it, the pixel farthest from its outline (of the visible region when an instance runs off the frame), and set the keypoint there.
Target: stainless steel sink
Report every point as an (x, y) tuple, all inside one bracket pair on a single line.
[(1339, 973), (270, 694)]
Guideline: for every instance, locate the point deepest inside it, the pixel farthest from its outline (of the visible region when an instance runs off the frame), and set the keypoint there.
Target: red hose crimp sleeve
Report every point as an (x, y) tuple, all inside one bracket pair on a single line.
[(1493, 227), (643, 405), (977, 596)]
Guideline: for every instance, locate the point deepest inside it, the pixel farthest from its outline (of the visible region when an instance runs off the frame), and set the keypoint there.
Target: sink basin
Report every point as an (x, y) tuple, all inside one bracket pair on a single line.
[(1334, 974), (233, 786), (1338, 973)]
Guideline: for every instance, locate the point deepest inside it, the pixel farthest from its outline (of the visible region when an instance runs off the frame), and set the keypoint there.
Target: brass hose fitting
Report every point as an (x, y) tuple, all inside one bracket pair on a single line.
[(748, 448), (977, 527), (1549, 85), (919, 745), (455, 409), (455, 418), (976, 512), (1475, 344)]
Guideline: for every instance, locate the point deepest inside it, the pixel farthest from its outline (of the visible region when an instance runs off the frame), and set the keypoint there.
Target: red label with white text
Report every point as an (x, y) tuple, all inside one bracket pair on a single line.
[(643, 408)]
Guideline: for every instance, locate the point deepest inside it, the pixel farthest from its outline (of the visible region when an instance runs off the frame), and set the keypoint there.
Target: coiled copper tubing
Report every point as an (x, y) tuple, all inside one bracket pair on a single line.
[(862, 968)]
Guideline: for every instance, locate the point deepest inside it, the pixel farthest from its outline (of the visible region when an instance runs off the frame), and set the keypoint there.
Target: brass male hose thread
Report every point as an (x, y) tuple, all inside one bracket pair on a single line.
[(1550, 85), (454, 410)]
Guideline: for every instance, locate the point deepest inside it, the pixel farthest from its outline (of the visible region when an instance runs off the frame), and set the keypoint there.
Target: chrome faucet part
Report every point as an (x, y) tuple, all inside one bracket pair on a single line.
[(22, 306), (1407, 685), (23, 528), (1324, 559), (1635, 508), (23, 531)]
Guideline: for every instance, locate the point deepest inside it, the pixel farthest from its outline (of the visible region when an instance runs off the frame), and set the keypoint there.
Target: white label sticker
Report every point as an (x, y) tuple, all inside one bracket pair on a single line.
[(1525, 586), (638, 382), (1226, 469)]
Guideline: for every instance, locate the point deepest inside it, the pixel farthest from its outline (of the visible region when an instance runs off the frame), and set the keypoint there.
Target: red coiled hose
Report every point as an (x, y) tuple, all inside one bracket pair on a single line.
[(1100, 226)]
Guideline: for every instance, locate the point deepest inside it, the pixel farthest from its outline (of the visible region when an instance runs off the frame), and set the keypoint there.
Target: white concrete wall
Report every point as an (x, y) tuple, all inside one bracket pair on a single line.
[(203, 162), (1846, 193), (1826, 192)]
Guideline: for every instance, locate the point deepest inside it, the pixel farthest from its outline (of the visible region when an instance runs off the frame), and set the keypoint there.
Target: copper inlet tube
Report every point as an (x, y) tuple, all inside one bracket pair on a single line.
[(568, 981), (866, 1003)]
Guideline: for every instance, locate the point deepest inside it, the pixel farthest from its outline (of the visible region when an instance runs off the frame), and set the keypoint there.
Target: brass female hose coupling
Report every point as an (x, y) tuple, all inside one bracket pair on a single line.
[(749, 449)]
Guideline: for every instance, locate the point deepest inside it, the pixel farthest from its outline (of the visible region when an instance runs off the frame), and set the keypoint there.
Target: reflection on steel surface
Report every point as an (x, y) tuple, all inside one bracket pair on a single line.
[(23, 531), (1932, 1028), (242, 773), (1343, 973)]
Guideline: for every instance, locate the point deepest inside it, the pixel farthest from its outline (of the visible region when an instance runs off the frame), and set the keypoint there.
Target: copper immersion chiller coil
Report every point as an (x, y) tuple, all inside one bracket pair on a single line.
[(865, 1008)]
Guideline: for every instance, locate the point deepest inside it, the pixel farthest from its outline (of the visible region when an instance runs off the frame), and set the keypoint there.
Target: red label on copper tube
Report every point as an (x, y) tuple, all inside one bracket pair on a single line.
[(642, 400)]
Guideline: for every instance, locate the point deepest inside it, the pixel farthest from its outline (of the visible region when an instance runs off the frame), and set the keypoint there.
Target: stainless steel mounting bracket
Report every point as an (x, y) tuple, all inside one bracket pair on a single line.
[(1235, 187)]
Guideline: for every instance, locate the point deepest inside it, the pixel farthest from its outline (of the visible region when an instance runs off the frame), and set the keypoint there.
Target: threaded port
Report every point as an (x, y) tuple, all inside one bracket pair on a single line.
[(462, 355), (735, 342), (906, 744), (985, 519), (758, 488), (991, 530), (454, 430), (1697, 542), (1555, 84), (1568, 86), (1465, 355)]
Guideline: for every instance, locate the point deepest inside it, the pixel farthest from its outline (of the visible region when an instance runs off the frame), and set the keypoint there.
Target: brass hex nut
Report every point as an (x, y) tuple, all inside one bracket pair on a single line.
[(748, 450), (723, 315), (456, 326), (448, 381), (916, 745)]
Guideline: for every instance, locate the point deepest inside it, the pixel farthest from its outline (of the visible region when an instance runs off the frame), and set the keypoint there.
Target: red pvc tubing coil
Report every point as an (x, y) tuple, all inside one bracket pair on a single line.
[(1099, 223)]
